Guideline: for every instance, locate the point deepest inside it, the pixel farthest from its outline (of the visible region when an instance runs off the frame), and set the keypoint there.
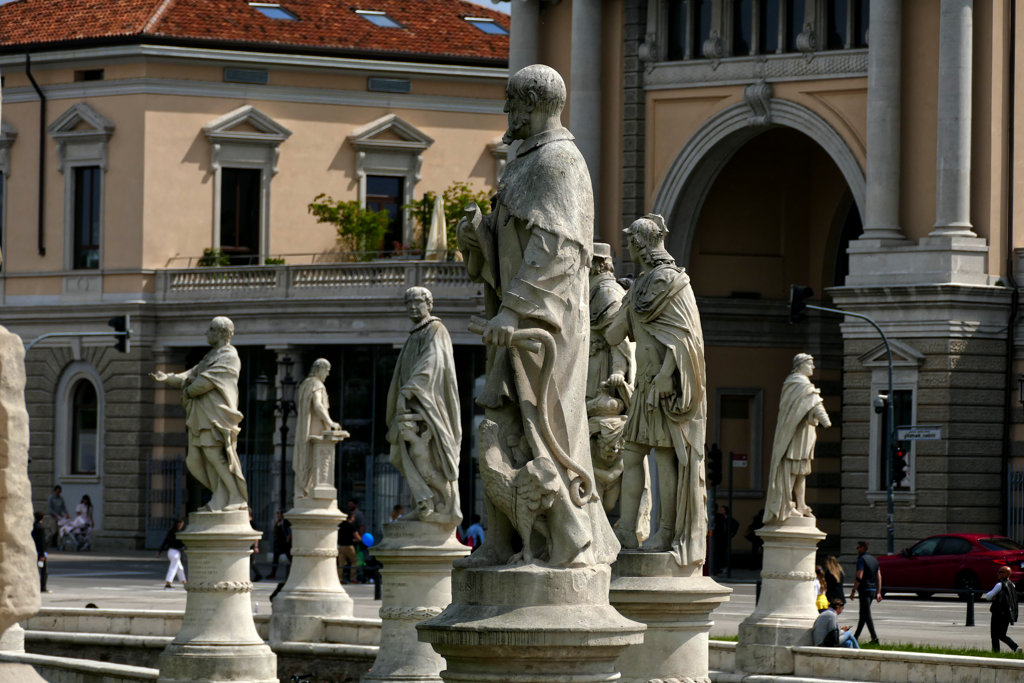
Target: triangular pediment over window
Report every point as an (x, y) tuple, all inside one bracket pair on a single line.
[(903, 355), (246, 124), (8, 134), (81, 133), (390, 132)]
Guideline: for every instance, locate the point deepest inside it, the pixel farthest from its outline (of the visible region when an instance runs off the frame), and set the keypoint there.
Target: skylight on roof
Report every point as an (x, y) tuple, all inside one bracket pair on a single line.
[(378, 18), (273, 10), (487, 25)]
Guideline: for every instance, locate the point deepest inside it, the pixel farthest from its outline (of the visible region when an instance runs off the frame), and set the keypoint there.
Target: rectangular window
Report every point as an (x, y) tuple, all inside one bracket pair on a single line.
[(768, 29), (3, 212), (240, 215), (837, 22), (903, 411), (676, 44), (84, 422), (86, 213), (386, 192), (795, 14), (743, 28), (701, 24)]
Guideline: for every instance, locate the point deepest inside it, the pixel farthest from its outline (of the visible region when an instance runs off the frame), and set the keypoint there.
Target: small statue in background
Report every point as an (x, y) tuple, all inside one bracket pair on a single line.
[(312, 421), (424, 422), (801, 411)]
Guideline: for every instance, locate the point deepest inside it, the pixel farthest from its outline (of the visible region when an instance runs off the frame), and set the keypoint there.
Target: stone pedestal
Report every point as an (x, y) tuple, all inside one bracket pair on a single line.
[(313, 590), (218, 639), (416, 585), (785, 613), (675, 603), (530, 624)]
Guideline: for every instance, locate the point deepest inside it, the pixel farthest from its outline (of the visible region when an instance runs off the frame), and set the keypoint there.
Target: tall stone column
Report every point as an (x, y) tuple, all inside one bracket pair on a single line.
[(585, 89), (523, 48), (953, 160), (882, 213), (313, 590)]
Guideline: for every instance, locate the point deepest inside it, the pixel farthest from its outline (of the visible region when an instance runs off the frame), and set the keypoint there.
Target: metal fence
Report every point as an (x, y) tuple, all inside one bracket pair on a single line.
[(259, 475), (383, 491), (1015, 505)]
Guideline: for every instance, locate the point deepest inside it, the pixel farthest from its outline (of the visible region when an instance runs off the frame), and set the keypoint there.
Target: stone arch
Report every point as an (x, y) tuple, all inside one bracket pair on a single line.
[(685, 186)]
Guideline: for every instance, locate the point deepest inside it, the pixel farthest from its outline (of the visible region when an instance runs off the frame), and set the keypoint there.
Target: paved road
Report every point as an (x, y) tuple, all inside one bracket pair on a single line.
[(135, 580)]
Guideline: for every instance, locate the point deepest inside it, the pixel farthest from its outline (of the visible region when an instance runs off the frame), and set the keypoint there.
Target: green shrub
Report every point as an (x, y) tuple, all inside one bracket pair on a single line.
[(213, 256), (456, 197), (359, 229)]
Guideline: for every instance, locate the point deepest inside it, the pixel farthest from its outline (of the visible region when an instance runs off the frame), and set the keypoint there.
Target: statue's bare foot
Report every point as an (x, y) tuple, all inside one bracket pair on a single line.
[(660, 541), (627, 539), (236, 506), (804, 511)]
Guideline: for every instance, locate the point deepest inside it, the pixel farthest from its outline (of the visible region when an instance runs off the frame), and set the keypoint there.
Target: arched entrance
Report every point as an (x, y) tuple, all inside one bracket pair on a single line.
[(761, 207)]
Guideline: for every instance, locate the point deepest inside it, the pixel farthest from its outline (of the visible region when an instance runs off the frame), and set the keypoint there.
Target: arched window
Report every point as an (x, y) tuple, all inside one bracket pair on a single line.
[(84, 428)]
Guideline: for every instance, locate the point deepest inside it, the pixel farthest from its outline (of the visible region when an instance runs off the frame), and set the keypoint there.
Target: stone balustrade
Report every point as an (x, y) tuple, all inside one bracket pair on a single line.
[(373, 279)]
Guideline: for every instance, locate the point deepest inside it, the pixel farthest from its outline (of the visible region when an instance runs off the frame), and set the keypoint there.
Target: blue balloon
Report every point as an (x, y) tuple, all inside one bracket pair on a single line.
[(368, 539)]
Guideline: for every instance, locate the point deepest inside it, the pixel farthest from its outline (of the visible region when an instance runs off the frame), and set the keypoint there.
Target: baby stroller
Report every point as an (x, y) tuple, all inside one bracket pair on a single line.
[(73, 537)]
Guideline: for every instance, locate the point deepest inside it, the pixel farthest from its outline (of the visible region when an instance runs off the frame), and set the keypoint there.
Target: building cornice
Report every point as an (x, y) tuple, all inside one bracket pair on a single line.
[(744, 70), (110, 53)]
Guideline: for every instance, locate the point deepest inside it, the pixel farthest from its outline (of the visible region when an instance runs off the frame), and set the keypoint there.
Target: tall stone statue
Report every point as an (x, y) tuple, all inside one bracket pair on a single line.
[(209, 392), (533, 253), (801, 411), (312, 421), (424, 422), (610, 376), (669, 406)]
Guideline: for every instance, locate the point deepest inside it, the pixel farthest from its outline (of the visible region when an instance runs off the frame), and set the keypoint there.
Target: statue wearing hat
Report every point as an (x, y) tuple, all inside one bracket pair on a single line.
[(668, 409)]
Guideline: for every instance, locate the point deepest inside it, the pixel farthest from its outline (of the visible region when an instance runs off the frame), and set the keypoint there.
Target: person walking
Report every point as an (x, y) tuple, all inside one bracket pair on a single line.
[(474, 537), (1004, 609), (348, 535), (869, 583), (282, 544), (173, 546), (39, 538)]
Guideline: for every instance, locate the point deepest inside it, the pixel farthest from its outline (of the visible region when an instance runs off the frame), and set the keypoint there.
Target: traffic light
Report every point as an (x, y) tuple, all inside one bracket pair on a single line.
[(715, 465), (899, 466), (798, 297), (122, 332)]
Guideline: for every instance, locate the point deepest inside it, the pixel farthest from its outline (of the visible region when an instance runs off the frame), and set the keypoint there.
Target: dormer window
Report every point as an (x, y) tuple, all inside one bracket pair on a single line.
[(487, 25), (378, 18), (273, 10)]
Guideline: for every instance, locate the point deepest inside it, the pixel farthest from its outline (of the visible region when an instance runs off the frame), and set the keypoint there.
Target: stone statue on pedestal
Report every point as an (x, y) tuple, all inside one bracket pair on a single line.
[(801, 411), (610, 377), (533, 253), (669, 406), (423, 417), (209, 392), (312, 421)]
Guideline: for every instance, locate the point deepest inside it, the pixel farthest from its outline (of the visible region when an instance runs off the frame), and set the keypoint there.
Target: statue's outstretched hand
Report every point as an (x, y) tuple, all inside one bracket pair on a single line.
[(499, 330), (159, 376)]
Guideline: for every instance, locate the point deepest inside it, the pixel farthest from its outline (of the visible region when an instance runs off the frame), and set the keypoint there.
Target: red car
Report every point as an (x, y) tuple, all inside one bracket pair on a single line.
[(951, 562)]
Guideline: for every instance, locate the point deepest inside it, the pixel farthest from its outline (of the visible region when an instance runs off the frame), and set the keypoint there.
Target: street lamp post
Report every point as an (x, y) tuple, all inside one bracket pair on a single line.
[(284, 406)]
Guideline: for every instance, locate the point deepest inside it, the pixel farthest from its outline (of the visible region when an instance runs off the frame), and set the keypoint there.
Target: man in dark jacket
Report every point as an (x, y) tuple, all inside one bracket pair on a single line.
[(1004, 609), (869, 584), (39, 537)]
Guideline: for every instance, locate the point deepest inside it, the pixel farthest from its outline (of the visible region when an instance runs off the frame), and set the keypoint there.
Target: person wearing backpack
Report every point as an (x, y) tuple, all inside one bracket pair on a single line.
[(1004, 609)]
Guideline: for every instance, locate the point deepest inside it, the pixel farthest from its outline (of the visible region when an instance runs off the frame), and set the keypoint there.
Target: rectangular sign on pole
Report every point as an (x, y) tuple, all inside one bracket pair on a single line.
[(918, 433)]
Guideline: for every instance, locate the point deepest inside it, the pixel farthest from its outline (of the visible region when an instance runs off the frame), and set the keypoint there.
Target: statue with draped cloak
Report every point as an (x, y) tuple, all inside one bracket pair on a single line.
[(312, 421)]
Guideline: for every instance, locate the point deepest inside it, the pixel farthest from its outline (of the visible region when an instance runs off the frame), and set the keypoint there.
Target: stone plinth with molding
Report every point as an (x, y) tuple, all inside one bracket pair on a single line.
[(218, 640), (530, 624), (416, 585), (313, 591), (676, 604), (785, 611)]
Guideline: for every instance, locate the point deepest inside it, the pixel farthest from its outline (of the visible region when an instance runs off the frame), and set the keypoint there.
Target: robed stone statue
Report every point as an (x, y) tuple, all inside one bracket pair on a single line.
[(533, 253), (424, 422), (311, 422), (801, 411), (669, 406), (209, 393)]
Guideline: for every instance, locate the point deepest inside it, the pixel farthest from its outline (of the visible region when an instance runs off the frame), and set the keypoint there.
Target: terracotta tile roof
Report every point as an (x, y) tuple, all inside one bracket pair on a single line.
[(430, 29)]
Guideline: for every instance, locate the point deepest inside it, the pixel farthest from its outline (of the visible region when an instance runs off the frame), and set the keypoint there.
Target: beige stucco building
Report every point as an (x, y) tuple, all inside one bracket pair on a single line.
[(128, 150)]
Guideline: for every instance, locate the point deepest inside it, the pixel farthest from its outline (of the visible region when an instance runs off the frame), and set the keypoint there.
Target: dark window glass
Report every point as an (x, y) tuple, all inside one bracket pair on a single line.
[(951, 545), (836, 23), (1000, 544), (768, 29), (925, 548), (385, 192), (240, 215), (701, 24), (742, 27), (861, 13), (676, 30), (735, 407), (794, 22), (84, 418), (86, 217)]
